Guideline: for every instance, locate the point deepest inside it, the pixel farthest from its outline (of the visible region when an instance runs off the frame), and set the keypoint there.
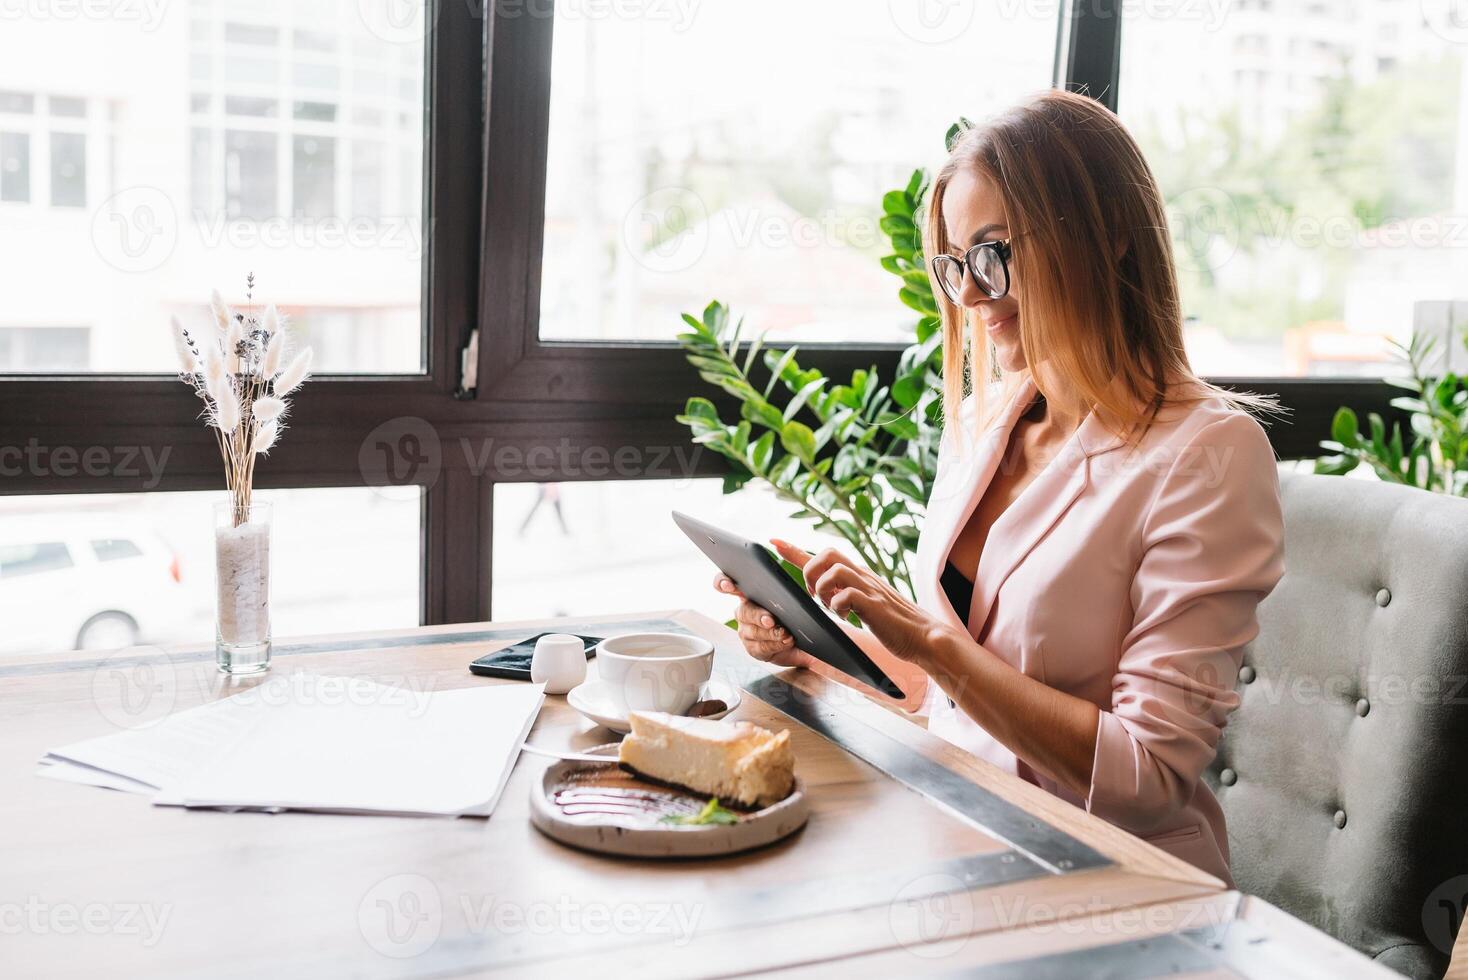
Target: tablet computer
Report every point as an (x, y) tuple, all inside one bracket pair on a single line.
[(761, 578)]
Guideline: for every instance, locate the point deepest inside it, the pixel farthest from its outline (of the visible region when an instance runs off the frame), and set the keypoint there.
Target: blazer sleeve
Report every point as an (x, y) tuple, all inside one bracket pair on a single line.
[(1212, 548)]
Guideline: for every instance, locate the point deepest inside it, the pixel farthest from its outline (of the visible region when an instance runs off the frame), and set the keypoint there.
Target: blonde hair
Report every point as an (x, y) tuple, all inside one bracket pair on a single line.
[(1096, 286)]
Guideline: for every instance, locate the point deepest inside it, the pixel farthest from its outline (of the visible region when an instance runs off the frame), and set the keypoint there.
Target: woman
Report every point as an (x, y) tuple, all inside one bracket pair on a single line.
[(1103, 523)]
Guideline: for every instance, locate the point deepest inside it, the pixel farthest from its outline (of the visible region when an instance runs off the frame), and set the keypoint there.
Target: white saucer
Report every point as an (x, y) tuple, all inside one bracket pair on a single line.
[(596, 704)]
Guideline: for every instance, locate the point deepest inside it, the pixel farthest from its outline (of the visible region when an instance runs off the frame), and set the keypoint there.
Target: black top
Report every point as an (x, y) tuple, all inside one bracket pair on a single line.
[(959, 589)]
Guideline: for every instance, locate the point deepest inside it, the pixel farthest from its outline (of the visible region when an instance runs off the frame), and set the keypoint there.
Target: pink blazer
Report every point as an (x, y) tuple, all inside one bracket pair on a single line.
[(1128, 577)]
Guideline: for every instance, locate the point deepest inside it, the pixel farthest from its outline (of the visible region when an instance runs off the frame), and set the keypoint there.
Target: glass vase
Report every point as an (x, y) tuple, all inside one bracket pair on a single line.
[(242, 580)]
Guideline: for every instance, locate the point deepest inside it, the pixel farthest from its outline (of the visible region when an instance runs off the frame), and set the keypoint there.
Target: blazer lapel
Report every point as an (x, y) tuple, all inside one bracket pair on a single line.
[(1040, 506), (964, 490)]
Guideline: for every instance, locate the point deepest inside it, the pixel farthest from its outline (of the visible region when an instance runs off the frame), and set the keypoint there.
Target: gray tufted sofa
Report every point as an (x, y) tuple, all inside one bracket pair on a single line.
[(1344, 773)]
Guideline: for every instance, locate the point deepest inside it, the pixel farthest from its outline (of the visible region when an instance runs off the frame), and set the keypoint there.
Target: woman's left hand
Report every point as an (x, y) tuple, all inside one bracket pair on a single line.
[(843, 586)]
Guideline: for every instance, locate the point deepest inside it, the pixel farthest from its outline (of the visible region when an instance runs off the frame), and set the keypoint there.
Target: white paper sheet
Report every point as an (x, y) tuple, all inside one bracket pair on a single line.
[(442, 754), (308, 742)]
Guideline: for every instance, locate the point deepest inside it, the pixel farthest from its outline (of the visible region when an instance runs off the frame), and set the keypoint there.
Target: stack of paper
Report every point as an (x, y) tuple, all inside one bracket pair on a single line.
[(305, 742)]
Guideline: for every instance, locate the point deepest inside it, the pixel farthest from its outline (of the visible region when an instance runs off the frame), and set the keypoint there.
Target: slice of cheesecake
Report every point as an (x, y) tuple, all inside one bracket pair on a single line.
[(733, 760)]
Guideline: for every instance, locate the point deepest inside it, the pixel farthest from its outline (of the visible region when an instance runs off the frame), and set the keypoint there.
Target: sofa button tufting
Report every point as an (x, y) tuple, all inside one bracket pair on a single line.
[(1383, 596), (1340, 819), (1246, 674), (1228, 777), (1363, 707)]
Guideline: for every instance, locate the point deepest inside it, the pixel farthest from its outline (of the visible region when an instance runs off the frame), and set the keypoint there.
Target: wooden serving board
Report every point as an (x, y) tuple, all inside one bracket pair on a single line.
[(607, 809)]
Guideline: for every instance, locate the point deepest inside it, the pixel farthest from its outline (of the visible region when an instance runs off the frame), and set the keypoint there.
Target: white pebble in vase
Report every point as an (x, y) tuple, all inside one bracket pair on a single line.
[(242, 576)]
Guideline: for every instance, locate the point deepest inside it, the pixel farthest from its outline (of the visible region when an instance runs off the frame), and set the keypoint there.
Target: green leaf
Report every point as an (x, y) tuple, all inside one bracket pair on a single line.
[(898, 202), (799, 441), (916, 183), (762, 412), (778, 362), (894, 225), (1345, 428), (863, 508), (915, 300), (735, 479), (712, 813), (761, 452), (801, 396)]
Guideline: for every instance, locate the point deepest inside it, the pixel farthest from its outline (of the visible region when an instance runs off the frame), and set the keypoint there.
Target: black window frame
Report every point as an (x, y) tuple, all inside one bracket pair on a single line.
[(487, 94)]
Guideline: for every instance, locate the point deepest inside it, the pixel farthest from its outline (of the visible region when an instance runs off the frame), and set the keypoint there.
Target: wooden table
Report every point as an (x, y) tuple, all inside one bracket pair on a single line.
[(906, 832)]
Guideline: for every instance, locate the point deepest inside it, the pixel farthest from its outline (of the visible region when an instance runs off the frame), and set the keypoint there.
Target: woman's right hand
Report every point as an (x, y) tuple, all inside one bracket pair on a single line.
[(764, 638)]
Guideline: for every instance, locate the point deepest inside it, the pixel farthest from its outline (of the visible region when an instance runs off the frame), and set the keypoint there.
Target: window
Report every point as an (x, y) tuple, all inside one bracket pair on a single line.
[(68, 170), (115, 549), (1310, 164), (563, 549), (741, 151), (15, 167), (17, 560), (155, 564), (24, 349), (210, 153)]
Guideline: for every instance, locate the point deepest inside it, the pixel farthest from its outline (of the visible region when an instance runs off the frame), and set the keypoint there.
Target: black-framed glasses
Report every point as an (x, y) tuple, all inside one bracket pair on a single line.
[(987, 262)]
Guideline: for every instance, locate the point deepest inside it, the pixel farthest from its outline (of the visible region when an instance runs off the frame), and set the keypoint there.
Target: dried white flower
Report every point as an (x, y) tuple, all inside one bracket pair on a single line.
[(187, 362), (226, 408), (222, 317), (268, 409), (294, 375), (265, 436), (274, 349), (214, 377), (232, 338)]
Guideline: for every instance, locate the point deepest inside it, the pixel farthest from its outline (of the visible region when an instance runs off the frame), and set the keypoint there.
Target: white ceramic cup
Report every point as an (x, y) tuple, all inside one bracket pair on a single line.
[(655, 671), (559, 662)]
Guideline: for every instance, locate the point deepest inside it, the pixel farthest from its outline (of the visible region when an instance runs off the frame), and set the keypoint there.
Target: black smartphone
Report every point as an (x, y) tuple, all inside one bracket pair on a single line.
[(514, 661)]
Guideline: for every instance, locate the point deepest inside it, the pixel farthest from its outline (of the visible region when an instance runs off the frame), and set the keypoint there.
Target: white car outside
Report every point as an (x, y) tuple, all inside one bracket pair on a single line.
[(85, 581)]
